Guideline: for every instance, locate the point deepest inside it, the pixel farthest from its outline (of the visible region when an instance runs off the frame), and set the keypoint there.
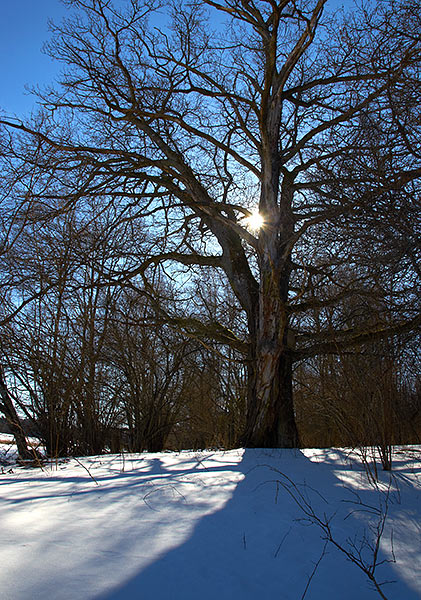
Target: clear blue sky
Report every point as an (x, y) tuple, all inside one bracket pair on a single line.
[(23, 30)]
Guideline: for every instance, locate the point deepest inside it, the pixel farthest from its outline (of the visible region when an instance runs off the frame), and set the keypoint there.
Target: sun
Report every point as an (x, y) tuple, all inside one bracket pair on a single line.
[(255, 221)]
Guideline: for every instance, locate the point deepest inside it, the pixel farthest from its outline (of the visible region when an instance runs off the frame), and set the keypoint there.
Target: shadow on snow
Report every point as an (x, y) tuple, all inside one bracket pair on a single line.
[(257, 545)]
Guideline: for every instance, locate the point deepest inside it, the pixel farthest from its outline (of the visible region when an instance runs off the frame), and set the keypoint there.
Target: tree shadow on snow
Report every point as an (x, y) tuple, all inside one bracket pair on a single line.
[(259, 545)]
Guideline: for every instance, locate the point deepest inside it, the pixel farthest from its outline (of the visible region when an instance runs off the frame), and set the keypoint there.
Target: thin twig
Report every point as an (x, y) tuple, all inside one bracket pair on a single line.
[(86, 469)]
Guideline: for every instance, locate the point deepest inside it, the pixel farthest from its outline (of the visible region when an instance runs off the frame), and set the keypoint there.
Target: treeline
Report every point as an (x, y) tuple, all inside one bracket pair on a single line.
[(96, 366), (99, 366), (370, 397)]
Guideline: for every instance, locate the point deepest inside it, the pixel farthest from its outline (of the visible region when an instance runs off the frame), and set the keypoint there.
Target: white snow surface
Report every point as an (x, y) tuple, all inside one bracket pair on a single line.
[(208, 525)]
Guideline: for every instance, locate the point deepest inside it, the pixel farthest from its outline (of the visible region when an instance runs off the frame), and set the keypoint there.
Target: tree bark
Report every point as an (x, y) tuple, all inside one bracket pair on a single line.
[(270, 419), (14, 423)]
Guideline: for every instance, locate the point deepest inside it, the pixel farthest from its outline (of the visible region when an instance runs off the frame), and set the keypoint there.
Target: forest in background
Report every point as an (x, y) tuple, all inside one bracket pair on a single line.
[(99, 368)]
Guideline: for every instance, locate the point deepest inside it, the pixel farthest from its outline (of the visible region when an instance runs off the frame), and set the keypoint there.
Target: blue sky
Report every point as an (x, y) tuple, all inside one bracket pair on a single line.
[(23, 30)]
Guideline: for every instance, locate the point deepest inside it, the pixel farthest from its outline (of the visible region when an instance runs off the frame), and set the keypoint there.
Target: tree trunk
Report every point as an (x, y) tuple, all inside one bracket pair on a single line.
[(14, 423), (270, 416)]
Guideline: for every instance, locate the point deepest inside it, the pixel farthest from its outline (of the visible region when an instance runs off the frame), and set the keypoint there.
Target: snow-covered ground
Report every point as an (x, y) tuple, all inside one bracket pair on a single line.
[(209, 525)]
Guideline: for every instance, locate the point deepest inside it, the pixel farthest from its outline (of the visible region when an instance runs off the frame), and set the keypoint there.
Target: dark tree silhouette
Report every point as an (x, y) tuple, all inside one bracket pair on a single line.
[(215, 109)]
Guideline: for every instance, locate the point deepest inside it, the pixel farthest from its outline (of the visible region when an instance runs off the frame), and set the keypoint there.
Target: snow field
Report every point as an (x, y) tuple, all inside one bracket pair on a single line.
[(209, 525)]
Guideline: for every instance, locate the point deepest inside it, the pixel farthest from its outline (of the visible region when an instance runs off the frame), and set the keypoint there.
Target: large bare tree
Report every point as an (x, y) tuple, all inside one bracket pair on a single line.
[(200, 114)]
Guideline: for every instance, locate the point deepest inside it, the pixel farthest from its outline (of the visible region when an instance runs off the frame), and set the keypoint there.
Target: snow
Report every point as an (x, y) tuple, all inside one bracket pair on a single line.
[(209, 525)]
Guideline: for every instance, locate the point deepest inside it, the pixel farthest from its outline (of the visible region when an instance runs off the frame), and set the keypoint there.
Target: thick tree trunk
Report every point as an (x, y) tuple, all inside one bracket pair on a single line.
[(270, 416), (14, 423)]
